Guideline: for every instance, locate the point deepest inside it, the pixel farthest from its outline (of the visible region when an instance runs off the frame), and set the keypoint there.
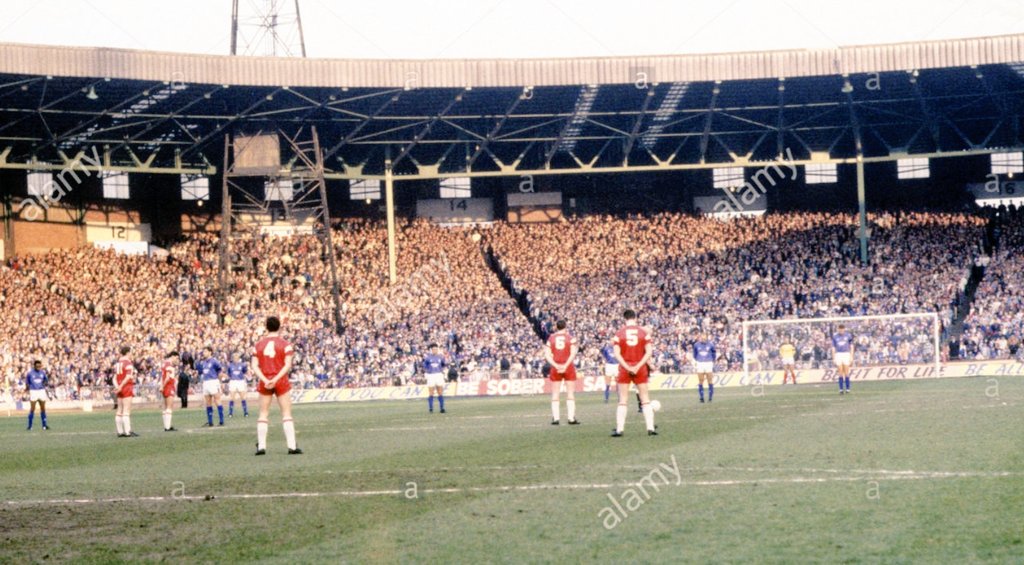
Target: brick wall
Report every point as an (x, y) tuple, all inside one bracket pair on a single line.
[(40, 236)]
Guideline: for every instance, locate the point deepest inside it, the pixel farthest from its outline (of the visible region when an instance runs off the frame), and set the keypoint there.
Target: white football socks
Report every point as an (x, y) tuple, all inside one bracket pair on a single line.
[(620, 417), (649, 416), (261, 434), (289, 432)]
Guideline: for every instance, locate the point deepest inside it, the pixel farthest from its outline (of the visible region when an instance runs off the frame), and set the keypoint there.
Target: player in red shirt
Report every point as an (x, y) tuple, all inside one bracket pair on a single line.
[(560, 354), (271, 363), (169, 386), (124, 390), (633, 349)]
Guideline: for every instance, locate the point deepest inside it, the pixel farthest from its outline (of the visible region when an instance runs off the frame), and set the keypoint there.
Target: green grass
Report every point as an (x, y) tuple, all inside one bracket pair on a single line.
[(898, 472)]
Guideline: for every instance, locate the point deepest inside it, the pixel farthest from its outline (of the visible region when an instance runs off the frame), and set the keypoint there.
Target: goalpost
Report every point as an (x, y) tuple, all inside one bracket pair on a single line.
[(878, 340)]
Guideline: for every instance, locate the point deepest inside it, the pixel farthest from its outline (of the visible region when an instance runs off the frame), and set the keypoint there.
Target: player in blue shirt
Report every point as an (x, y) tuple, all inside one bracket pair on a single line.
[(209, 372), (36, 382), (842, 354), (611, 369), (237, 373), (704, 356), (433, 367)]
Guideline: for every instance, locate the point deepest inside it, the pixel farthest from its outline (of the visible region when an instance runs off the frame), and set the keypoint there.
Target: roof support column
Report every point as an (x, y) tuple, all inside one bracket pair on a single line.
[(389, 198), (862, 208), (7, 237), (847, 90), (225, 235)]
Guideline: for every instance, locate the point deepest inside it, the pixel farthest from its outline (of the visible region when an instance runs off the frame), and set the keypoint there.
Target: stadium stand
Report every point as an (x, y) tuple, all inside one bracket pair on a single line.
[(159, 305), (489, 294), (685, 272)]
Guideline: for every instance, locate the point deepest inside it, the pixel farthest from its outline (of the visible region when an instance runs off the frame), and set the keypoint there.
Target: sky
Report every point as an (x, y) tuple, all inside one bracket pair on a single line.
[(457, 29)]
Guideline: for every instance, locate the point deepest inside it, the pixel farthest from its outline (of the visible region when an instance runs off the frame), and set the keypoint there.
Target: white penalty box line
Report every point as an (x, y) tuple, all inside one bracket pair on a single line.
[(865, 475)]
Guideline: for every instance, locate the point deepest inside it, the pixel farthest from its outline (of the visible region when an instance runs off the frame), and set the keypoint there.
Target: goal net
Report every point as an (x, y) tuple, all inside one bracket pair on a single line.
[(895, 339)]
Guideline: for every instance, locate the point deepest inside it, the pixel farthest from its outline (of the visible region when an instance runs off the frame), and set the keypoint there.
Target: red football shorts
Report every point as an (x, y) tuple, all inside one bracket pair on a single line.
[(283, 386), (639, 378), (169, 391), (127, 391), (568, 375)]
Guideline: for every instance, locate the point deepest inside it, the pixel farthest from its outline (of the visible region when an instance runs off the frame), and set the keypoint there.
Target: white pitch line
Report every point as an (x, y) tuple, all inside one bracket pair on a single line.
[(907, 475), (812, 470), (111, 433), (543, 418), (886, 473)]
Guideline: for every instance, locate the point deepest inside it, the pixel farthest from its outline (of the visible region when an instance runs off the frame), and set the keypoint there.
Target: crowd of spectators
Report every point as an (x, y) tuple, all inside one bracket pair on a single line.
[(488, 294), (994, 327), (685, 272), (445, 293), (74, 309)]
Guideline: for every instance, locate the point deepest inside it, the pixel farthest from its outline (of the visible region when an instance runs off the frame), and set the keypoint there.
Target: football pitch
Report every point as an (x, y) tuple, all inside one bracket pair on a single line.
[(927, 471)]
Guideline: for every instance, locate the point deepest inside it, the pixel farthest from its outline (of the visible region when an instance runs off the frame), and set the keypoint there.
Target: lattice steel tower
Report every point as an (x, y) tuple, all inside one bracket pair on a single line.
[(267, 28), (292, 200)]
